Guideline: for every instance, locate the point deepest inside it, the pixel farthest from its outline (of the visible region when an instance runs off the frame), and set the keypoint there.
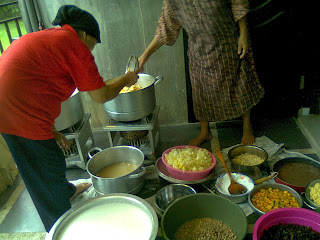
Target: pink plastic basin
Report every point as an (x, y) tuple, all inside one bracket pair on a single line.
[(299, 216), (187, 175)]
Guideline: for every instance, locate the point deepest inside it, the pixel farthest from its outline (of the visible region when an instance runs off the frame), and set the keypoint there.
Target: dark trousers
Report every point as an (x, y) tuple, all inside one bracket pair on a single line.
[(42, 166)]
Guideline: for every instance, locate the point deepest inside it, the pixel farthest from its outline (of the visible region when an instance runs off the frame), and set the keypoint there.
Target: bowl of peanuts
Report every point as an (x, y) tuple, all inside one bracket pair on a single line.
[(269, 196), (188, 163)]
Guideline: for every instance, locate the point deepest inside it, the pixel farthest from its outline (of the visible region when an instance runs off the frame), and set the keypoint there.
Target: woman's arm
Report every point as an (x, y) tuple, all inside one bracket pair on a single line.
[(153, 46), (243, 38)]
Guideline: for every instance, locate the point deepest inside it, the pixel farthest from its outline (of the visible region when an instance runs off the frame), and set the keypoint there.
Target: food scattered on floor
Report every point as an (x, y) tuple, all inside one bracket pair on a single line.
[(248, 159), (290, 231), (189, 159), (272, 198), (205, 229)]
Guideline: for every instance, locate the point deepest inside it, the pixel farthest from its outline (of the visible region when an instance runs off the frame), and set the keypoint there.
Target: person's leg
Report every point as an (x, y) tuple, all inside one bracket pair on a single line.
[(43, 169), (248, 136), (205, 134)]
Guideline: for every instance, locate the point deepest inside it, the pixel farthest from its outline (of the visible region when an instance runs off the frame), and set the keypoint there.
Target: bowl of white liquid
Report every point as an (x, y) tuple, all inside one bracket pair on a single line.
[(113, 216)]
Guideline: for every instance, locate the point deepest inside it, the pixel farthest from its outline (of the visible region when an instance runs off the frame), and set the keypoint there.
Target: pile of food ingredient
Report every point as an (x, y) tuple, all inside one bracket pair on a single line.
[(315, 194), (290, 232), (132, 88), (248, 159), (273, 198), (204, 229), (189, 159)]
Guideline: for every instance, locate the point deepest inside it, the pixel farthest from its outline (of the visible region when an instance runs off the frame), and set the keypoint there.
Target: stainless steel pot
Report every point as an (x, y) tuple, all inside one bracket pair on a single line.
[(71, 112), (135, 105), (130, 183), (254, 171), (114, 216)]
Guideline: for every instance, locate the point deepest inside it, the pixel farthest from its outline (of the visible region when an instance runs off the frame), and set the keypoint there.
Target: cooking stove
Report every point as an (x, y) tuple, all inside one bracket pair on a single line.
[(143, 134), (82, 140)]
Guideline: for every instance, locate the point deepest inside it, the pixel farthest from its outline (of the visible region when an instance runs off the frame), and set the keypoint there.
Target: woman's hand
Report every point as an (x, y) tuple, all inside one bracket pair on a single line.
[(61, 139), (243, 38), (242, 45)]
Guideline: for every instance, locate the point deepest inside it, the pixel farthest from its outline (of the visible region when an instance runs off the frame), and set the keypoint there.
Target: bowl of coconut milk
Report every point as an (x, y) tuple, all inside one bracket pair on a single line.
[(113, 216)]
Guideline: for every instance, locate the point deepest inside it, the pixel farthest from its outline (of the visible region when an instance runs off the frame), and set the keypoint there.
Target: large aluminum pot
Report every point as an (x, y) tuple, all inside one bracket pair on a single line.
[(135, 105), (114, 216), (71, 112), (130, 183)]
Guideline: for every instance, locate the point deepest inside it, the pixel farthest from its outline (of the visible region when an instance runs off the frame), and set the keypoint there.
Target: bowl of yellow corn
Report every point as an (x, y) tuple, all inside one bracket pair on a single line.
[(312, 195), (269, 196)]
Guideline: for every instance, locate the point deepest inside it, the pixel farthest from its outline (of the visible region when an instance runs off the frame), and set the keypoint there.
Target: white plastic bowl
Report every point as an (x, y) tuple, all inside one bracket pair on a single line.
[(223, 182)]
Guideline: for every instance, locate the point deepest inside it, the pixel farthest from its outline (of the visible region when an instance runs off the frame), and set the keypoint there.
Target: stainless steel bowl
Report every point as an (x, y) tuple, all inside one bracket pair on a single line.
[(114, 216), (255, 171), (282, 187), (310, 203), (170, 193)]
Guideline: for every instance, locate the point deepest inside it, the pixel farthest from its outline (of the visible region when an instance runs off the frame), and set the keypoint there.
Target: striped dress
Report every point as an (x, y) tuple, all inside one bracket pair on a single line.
[(223, 86)]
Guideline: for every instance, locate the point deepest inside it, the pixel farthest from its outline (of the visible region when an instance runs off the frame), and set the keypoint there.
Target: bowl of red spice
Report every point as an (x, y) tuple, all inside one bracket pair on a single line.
[(287, 223)]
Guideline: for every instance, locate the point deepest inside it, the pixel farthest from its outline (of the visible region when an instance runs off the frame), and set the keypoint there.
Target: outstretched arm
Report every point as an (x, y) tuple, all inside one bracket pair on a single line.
[(153, 46)]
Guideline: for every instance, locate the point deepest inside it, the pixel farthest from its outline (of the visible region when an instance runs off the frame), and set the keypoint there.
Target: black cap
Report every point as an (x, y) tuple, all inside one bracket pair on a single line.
[(78, 19)]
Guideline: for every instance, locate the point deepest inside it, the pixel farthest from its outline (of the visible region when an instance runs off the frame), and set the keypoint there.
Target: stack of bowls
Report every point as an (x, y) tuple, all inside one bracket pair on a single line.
[(170, 193)]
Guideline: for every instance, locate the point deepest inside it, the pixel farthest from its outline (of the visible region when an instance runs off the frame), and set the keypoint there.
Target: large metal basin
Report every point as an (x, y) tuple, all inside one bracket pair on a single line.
[(135, 105), (115, 216), (71, 112)]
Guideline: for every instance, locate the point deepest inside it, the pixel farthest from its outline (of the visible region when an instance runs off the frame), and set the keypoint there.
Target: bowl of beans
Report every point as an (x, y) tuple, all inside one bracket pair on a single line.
[(270, 196), (312, 195), (188, 163), (204, 216), (248, 160), (287, 223)]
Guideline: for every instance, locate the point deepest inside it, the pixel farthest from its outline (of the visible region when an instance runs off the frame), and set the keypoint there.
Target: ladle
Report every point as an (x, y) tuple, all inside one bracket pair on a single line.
[(234, 187)]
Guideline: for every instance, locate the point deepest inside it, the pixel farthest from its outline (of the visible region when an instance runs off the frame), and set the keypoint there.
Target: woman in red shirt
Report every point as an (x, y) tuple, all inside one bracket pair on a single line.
[(38, 72)]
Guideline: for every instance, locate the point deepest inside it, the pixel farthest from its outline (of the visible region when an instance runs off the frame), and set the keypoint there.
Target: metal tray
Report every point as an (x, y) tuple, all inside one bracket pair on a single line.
[(163, 173)]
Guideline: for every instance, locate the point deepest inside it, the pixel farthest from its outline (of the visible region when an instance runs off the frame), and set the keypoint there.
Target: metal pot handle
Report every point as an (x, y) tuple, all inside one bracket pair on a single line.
[(90, 155), (159, 79), (139, 174)]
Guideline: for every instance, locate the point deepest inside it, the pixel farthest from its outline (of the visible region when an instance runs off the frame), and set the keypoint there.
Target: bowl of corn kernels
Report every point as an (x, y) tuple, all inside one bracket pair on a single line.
[(269, 196), (312, 195), (188, 163)]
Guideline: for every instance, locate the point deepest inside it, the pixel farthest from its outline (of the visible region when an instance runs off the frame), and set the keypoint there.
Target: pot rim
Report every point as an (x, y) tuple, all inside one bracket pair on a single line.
[(273, 165), (115, 147), (73, 209)]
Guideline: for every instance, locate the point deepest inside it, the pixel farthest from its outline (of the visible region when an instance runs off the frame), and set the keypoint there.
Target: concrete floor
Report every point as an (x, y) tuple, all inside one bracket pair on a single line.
[(20, 220)]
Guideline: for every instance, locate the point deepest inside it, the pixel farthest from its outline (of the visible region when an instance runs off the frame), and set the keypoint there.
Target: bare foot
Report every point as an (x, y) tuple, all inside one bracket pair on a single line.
[(200, 139), (79, 189), (248, 137)]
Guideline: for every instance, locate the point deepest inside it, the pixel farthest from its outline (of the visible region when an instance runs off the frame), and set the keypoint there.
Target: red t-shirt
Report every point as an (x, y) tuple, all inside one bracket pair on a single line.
[(38, 72)]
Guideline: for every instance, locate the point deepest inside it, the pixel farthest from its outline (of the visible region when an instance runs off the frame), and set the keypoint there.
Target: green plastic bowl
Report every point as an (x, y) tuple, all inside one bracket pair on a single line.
[(203, 205)]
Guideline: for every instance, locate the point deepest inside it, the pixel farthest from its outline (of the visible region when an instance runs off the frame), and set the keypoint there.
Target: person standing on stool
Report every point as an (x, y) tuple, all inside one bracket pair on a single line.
[(37, 73), (224, 81)]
